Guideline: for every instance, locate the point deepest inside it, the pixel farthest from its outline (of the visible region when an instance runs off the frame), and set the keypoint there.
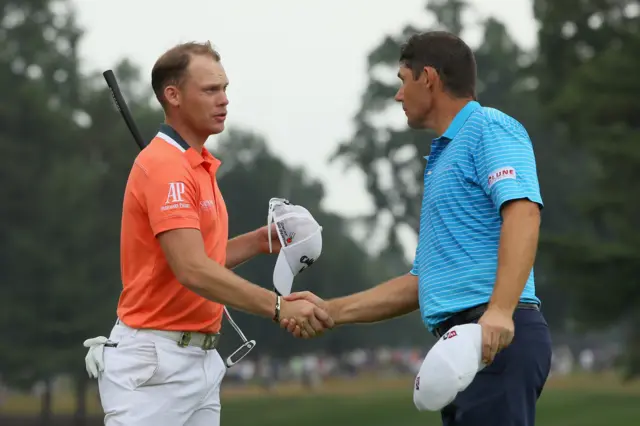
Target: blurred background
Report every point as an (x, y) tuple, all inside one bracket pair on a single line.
[(312, 119)]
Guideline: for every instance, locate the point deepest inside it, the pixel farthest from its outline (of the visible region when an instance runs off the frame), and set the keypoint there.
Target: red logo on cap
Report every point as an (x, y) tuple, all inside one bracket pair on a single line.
[(289, 240), (450, 335)]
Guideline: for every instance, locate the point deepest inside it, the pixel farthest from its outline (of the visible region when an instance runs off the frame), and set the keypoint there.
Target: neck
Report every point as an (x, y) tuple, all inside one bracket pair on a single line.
[(191, 137), (445, 112)]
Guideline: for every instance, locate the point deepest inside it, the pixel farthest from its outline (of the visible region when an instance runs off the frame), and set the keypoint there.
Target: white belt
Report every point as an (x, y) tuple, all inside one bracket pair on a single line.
[(185, 338)]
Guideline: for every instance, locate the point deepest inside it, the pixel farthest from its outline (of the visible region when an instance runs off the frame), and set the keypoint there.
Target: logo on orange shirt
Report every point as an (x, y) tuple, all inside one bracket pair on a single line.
[(176, 189), (174, 197)]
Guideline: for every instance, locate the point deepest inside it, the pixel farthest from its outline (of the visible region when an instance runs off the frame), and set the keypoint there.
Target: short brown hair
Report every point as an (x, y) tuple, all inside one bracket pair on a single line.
[(171, 66), (451, 57)]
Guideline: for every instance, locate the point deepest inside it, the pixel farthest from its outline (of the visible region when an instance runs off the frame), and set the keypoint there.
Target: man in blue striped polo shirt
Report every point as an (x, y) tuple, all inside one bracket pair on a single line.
[(478, 236)]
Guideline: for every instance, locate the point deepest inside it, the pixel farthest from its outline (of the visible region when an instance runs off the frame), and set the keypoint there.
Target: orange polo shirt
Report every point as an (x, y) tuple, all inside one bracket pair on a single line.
[(170, 186)]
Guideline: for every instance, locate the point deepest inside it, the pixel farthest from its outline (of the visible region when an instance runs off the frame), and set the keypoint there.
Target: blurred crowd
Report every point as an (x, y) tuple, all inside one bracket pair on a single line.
[(311, 369)]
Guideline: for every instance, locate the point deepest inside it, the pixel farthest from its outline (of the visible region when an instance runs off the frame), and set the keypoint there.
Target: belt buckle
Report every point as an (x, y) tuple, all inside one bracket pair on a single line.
[(185, 339), (209, 342)]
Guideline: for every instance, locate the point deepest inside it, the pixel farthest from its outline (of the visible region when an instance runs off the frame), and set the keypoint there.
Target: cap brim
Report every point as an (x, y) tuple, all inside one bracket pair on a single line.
[(436, 385), (282, 275), (449, 367)]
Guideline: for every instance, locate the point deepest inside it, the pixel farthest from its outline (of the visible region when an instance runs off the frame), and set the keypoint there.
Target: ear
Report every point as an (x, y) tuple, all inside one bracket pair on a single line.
[(172, 95), (431, 77)]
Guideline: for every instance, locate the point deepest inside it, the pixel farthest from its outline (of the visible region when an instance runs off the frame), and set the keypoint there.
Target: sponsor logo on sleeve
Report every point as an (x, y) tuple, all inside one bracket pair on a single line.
[(501, 174), (175, 197)]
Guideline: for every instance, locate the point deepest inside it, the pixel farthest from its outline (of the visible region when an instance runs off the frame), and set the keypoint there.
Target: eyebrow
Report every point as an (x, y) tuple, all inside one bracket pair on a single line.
[(216, 86)]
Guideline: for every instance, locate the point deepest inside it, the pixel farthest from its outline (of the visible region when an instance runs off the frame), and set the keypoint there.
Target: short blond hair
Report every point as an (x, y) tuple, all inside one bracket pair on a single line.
[(171, 66)]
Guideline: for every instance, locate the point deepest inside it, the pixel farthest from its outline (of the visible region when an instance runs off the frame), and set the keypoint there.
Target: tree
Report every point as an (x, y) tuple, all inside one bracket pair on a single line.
[(588, 64), (37, 122), (67, 154)]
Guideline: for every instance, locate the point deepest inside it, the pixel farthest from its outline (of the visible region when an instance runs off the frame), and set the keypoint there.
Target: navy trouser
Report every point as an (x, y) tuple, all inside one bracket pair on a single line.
[(505, 392)]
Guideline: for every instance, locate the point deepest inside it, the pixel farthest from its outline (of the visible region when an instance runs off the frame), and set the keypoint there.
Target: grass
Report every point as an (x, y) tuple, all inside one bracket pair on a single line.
[(579, 400)]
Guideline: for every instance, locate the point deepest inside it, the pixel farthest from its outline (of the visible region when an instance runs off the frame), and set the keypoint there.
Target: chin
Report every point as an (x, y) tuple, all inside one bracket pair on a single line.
[(414, 124), (216, 128)]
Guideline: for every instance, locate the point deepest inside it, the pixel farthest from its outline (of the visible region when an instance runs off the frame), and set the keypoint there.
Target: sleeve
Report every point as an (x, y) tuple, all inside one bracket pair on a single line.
[(414, 269), (506, 166), (170, 194)]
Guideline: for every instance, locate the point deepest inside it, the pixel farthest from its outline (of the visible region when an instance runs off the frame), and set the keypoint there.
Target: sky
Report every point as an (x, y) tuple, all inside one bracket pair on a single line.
[(297, 69)]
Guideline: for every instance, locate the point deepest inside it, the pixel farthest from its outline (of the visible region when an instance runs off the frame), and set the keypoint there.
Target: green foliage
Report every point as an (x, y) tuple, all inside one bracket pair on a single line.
[(590, 49), (37, 131)]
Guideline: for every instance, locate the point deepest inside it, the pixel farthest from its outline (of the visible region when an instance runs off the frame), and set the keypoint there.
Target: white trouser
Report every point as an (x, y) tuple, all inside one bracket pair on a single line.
[(149, 380)]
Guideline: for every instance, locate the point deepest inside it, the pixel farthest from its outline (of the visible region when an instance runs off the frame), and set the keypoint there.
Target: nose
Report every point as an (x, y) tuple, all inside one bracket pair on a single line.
[(399, 97), (224, 99)]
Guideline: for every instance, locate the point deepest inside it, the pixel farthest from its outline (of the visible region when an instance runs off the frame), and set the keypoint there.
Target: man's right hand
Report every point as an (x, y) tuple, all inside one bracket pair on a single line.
[(292, 324), (311, 320)]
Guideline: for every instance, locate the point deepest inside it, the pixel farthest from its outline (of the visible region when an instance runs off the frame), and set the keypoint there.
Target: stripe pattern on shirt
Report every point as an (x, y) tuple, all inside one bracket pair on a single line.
[(484, 159)]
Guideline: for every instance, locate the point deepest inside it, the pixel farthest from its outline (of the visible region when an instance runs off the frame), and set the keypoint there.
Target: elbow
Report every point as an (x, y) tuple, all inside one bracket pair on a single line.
[(187, 279), (188, 274)]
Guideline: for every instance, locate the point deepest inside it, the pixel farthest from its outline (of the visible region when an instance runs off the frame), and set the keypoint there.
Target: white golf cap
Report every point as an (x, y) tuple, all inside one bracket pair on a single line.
[(301, 239), (449, 367)]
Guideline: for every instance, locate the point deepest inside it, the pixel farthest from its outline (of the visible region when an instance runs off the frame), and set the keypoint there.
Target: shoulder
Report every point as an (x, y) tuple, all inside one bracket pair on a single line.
[(495, 128), (159, 159), (495, 120)]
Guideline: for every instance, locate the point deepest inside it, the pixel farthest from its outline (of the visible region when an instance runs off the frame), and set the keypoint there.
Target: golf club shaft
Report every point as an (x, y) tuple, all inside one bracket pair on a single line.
[(234, 325)]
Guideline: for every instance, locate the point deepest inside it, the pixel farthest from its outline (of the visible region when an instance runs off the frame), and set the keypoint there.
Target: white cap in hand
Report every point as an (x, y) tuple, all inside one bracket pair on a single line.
[(301, 239), (449, 367)]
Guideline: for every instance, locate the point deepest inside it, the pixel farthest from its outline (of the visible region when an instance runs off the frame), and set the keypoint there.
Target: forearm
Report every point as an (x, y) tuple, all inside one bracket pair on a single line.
[(390, 299), (242, 248), (516, 253), (217, 283)]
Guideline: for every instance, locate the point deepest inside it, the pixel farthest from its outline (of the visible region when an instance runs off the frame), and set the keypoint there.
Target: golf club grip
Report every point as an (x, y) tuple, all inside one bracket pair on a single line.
[(110, 77)]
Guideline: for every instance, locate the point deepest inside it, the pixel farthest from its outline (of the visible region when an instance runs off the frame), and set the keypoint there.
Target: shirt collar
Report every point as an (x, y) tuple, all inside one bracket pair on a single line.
[(459, 120), (195, 158), (455, 126)]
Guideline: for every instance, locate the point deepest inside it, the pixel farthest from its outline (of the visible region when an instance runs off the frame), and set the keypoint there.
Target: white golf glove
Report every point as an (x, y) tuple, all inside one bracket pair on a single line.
[(94, 361)]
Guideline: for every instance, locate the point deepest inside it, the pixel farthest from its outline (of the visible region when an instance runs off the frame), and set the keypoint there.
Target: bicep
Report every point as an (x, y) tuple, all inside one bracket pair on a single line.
[(521, 209), (184, 251), (171, 201)]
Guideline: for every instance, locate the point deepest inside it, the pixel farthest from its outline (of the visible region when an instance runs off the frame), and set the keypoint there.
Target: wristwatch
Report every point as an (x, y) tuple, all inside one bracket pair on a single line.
[(276, 315)]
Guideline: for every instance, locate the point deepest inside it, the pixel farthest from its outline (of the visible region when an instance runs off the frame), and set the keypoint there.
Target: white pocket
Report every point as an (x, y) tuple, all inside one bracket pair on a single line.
[(133, 363)]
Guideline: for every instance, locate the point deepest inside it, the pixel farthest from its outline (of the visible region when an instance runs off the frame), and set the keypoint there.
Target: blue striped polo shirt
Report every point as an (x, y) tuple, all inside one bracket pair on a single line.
[(483, 159)]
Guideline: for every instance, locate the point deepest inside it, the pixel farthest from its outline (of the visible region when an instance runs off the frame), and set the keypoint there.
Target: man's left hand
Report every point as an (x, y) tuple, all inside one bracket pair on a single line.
[(263, 239), (497, 332)]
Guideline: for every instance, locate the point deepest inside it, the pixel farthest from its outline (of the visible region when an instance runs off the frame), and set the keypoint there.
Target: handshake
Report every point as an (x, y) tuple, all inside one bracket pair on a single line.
[(306, 315)]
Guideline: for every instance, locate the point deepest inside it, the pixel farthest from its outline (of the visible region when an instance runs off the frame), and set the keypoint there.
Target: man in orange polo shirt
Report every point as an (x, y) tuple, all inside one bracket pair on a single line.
[(163, 368)]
